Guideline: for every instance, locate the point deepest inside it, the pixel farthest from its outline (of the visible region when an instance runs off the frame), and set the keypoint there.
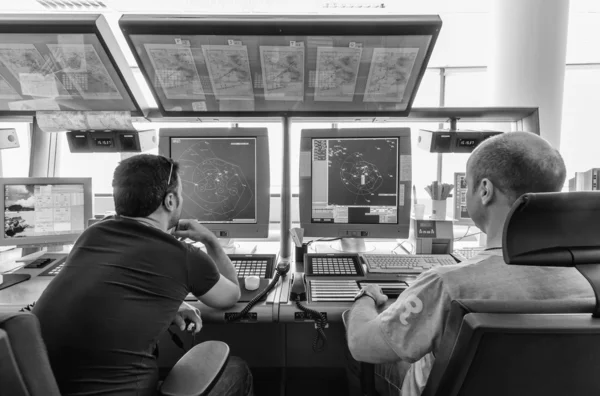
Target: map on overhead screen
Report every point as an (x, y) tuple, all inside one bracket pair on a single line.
[(175, 71), (362, 172), (229, 71), (389, 74), (88, 76), (25, 60), (283, 72), (218, 177), (337, 72), (7, 91)]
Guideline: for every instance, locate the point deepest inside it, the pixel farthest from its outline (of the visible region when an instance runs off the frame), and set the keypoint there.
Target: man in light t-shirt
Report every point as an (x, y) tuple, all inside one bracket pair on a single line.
[(405, 337)]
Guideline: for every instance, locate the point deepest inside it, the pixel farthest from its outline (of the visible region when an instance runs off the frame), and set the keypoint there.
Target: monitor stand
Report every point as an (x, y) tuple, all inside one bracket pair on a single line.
[(231, 247), (352, 245)]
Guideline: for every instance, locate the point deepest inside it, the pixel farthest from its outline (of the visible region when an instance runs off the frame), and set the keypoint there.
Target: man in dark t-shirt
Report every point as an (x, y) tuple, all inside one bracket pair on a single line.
[(124, 284)]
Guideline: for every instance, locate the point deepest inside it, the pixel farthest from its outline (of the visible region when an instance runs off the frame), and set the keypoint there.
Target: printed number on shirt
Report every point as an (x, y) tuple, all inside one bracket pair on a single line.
[(412, 304)]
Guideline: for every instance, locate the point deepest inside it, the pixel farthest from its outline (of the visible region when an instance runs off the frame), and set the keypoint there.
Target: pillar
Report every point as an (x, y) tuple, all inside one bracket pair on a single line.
[(527, 58)]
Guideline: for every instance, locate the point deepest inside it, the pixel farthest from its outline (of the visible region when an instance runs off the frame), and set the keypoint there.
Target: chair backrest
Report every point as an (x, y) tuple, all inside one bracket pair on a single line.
[(530, 348), (24, 365), (504, 353)]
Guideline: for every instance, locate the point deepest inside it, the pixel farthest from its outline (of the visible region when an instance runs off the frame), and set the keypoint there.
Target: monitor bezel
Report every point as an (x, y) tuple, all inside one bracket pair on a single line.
[(398, 230), (260, 229), (75, 24), (65, 239), (282, 25)]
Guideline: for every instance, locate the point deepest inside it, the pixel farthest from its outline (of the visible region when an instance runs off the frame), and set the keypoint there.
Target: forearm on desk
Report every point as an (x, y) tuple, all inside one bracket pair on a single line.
[(365, 340), (224, 265)]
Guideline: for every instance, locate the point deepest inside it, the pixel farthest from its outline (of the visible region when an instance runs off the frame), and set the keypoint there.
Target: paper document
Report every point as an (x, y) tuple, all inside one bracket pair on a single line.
[(70, 53), (229, 71), (282, 72), (88, 75), (51, 121), (36, 84), (337, 72), (175, 71), (25, 59), (389, 74)]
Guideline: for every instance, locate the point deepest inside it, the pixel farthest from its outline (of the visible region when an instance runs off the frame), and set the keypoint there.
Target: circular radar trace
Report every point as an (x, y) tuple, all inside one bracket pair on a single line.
[(360, 177), (218, 186)]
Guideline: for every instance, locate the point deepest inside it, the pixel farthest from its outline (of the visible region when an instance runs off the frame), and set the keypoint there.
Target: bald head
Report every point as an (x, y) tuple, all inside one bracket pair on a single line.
[(517, 163)]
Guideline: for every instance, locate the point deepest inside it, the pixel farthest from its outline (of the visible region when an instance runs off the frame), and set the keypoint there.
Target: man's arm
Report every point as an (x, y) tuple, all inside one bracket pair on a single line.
[(224, 265), (226, 292), (407, 330), (365, 341)]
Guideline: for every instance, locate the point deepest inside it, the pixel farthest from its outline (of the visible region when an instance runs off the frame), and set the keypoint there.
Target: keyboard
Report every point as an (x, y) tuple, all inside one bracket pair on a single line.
[(260, 265), (245, 265), (405, 264), (333, 290), (466, 254), (40, 262), (333, 265), (55, 268)]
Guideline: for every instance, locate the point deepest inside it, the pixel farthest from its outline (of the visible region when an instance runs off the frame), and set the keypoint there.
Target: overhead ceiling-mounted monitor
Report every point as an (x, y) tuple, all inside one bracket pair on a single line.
[(58, 62), (282, 65)]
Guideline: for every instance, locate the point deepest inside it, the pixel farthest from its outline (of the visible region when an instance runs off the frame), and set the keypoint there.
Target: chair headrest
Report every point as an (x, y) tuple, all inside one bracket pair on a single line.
[(553, 229)]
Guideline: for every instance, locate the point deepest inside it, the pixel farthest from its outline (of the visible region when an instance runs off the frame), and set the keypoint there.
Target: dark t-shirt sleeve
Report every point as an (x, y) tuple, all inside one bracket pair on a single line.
[(202, 271)]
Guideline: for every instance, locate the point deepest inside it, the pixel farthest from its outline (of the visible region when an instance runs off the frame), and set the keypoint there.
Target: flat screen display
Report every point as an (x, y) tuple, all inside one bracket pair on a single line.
[(355, 181), (209, 73), (39, 210), (46, 71), (218, 178)]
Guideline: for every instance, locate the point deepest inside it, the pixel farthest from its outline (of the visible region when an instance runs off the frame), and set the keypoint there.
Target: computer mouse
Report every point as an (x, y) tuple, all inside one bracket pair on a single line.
[(252, 282)]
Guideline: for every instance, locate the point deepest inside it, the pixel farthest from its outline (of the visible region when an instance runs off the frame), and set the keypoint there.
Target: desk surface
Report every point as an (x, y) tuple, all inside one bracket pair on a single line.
[(24, 293)]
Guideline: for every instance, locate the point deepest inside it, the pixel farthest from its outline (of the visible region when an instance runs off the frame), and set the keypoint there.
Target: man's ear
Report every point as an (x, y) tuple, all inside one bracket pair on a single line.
[(170, 202), (486, 191)]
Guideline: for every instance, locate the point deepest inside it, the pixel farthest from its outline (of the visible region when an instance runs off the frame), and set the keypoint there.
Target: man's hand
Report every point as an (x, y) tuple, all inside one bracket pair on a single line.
[(186, 311), (194, 230), (376, 292)]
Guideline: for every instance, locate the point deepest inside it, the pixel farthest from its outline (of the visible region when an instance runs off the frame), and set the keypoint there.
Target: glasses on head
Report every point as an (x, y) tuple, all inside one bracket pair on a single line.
[(170, 174)]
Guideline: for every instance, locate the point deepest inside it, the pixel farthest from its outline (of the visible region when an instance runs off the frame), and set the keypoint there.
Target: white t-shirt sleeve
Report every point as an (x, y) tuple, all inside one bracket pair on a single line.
[(413, 325)]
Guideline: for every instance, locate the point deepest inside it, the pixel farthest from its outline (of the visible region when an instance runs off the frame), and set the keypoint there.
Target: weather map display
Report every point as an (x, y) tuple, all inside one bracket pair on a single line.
[(32, 210), (219, 178), (360, 185)]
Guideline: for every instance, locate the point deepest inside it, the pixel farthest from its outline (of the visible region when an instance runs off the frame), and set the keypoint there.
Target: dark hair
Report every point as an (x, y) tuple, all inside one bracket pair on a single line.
[(140, 184), (518, 163)]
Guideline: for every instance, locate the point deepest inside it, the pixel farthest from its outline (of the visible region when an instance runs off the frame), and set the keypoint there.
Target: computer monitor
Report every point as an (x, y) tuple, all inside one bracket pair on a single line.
[(42, 211), (355, 183), (225, 176)]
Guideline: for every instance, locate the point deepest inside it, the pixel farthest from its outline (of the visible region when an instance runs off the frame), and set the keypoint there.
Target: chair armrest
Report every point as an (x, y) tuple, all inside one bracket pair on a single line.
[(197, 370)]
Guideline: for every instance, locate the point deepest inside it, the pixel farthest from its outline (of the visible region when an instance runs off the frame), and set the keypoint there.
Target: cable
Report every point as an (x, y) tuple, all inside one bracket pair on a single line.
[(466, 236), (320, 341), (321, 240), (281, 270)]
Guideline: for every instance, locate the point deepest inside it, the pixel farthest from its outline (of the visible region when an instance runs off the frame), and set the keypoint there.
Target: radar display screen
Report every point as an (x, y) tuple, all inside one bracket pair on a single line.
[(355, 180), (218, 178)]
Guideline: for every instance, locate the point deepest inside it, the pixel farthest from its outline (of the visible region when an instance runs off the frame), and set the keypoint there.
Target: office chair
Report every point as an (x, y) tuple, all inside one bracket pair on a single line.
[(549, 348), (25, 367)]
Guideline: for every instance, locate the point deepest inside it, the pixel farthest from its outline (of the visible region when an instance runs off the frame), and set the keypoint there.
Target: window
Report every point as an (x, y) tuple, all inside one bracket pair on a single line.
[(15, 161), (580, 136), (466, 87), (428, 94)]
